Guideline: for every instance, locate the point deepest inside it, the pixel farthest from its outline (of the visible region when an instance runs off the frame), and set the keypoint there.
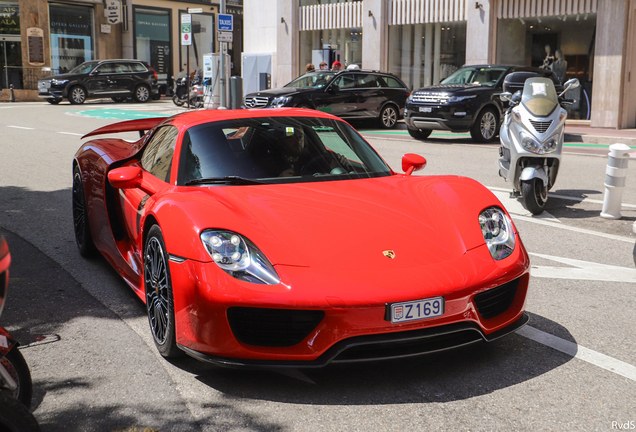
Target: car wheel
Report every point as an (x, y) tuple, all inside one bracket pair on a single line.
[(485, 127), (535, 195), (118, 99), (18, 369), (388, 117), (77, 95), (159, 300), (54, 101), (419, 134), (83, 236), (142, 93)]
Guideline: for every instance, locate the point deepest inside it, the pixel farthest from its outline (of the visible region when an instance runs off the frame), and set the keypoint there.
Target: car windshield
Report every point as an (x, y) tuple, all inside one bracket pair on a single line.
[(84, 68), (312, 80), (276, 150), (539, 96), (485, 76)]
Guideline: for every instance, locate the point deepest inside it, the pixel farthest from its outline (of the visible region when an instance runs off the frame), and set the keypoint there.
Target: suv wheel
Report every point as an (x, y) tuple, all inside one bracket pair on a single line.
[(388, 116), (420, 134), (485, 127), (142, 93), (77, 95)]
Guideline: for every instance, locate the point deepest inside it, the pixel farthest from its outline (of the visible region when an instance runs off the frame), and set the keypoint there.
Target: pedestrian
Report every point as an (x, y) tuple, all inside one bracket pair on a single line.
[(336, 66), (324, 65), (310, 67)]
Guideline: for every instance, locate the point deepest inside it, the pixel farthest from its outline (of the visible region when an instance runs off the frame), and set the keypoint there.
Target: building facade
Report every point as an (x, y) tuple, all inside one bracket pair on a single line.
[(41, 37), (423, 41)]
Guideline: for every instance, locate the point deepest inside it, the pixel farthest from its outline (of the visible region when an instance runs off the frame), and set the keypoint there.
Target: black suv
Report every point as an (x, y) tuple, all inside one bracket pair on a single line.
[(351, 94), (117, 79), (468, 100)]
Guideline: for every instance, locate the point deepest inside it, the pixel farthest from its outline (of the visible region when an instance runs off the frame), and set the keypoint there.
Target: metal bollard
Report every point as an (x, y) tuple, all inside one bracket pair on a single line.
[(616, 171), (12, 96)]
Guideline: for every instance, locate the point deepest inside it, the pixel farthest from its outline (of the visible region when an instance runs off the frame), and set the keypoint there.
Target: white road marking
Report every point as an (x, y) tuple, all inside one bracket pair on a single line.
[(71, 133), (515, 207), (575, 229), (565, 197), (20, 127), (584, 270), (597, 359)]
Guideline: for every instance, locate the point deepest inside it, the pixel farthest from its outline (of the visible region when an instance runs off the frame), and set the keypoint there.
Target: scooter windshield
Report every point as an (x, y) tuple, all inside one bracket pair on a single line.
[(539, 96)]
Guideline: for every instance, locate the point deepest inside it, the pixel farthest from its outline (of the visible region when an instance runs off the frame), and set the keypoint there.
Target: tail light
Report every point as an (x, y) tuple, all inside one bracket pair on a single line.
[(154, 71)]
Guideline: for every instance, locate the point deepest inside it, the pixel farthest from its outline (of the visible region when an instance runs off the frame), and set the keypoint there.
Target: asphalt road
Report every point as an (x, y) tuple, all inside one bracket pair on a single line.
[(95, 368)]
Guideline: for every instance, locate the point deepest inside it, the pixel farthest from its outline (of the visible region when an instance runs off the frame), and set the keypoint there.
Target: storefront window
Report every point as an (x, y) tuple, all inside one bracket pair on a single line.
[(71, 36), (10, 45), (534, 41), (9, 18), (343, 45), (202, 41), (425, 54), (152, 42)]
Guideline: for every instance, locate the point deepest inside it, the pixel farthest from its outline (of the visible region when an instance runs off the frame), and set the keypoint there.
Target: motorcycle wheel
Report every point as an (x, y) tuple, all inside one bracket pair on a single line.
[(14, 416), (535, 195), (17, 367), (178, 102), (196, 102)]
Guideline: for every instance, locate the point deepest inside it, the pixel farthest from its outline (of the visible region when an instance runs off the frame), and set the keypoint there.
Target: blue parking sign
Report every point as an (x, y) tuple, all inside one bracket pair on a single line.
[(225, 22)]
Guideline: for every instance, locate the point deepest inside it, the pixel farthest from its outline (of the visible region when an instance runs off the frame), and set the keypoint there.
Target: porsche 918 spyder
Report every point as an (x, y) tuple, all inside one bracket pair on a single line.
[(279, 237)]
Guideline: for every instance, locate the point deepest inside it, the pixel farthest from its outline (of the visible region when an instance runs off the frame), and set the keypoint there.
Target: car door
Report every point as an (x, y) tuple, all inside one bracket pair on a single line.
[(124, 78), (156, 161), (339, 98), (371, 95)]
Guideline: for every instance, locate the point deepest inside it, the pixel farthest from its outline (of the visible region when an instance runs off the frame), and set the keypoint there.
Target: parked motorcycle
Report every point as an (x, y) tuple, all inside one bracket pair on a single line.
[(532, 137), (196, 92), (15, 379)]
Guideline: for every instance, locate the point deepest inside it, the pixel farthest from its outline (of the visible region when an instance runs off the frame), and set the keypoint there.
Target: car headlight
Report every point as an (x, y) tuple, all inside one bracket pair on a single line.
[(460, 98), (239, 257), (59, 82), (534, 146), (496, 227), (280, 101)]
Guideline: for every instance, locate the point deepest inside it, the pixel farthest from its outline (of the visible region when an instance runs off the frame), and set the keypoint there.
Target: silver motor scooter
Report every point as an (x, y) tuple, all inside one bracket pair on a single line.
[(532, 139)]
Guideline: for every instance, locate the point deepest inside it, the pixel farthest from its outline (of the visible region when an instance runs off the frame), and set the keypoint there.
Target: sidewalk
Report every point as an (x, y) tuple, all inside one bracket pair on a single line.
[(580, 131)]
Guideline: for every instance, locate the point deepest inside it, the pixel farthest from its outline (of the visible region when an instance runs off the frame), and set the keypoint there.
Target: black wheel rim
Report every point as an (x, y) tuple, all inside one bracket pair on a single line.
[(79, 209), (540, 192), (389, 117), (156, 280), (488, 125), (14, 374)]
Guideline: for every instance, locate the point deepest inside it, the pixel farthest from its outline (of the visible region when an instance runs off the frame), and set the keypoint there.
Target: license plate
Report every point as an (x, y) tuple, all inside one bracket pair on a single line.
[(426, 109), (45, 85), (417, 310)]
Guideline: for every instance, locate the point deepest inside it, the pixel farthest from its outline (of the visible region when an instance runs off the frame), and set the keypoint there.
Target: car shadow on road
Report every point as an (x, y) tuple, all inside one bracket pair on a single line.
[(452, 375)]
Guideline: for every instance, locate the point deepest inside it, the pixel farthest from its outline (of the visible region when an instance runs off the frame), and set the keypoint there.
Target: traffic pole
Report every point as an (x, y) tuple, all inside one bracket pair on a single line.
[(616, 172)]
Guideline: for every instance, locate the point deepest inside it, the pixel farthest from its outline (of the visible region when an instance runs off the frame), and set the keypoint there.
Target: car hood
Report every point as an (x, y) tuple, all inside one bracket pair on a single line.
[(455, 88), (285, 91), (350, 224)]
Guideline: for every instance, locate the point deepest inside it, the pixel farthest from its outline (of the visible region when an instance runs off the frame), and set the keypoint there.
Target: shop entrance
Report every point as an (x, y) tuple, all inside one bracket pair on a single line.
[(10, 62)]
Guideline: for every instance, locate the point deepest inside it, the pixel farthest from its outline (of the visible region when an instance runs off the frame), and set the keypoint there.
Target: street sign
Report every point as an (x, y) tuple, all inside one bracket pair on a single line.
[(186, 29), (195, 10), (112, 11), (225, 23), (225, 36)]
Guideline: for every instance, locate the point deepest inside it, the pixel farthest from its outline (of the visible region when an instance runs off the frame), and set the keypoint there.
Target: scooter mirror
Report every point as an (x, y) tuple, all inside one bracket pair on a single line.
[(516, 98), (505, 96), (571, 83)]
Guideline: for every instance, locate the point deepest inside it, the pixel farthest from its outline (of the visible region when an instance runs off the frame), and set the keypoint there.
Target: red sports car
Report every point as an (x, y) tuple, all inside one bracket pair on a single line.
[(279, 237)]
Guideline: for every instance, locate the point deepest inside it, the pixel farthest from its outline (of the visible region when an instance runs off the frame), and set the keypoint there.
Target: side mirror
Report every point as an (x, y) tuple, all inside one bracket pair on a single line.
[(412, 162), (571, 83), (95, 72), (333, 88), (516, 98), (129, 178), (505, 96)]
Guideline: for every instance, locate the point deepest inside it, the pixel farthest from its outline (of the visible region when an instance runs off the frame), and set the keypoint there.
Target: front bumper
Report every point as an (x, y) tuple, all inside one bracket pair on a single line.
[(451, 117), (354, 326)]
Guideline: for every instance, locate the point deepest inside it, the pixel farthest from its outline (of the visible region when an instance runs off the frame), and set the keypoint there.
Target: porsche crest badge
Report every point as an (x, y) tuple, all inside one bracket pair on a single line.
[(389, 254)]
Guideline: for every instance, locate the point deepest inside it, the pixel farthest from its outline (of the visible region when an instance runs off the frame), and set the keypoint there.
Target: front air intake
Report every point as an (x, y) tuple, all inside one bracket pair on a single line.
[(496, 301)]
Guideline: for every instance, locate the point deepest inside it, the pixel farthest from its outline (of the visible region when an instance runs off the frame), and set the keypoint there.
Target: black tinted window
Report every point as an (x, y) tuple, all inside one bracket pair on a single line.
[(346, 81), (157, 157), (369, 80), (137, 67), (392, 82), (106, 68)]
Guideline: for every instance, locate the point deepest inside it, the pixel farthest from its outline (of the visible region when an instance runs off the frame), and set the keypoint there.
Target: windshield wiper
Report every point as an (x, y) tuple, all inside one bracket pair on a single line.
[(232, 180)]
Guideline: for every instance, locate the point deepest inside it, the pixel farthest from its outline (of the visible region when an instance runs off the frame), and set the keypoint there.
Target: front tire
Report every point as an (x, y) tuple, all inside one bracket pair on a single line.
[(14, 363), (485, 127), (388, 117), (159, 299), (54, 101), (142, 93), (83, 237), (14, 416), (77, 95), (420, 134), (535, 195)]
